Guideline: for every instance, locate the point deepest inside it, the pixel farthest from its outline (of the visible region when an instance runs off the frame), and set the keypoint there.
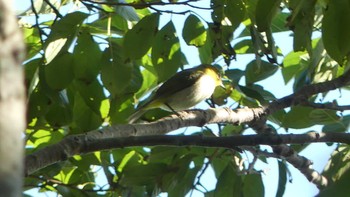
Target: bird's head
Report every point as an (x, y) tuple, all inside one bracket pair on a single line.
[(213, 72)]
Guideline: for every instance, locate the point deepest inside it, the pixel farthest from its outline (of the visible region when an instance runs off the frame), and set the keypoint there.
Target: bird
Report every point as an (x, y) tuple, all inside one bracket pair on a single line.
[(182, 91)]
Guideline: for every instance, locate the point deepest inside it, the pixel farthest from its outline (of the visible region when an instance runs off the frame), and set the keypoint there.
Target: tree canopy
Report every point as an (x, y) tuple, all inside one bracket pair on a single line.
[(89, 63)]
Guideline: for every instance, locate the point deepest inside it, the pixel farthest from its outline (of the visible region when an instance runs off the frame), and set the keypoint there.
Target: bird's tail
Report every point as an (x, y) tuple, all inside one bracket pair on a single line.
[(136, 115)]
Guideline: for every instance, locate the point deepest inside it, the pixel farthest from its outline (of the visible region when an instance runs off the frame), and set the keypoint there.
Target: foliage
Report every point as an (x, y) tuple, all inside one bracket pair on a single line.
[(87, 68)]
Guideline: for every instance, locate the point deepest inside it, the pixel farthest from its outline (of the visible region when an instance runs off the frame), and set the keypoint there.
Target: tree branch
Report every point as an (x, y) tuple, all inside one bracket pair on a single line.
[(55, 10), (82, 144), (303, 164), (331, 106), (306, 92), (144, 5)]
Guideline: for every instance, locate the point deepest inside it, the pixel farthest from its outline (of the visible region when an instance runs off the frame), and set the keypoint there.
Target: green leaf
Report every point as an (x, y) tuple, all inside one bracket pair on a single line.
[(340, 126), (166, 154), (118, 25), (84, 118), (282, 179), (336, 30), (143, 174), (252, 93), (84, 162), (180, 181), (92, 93), (235, 75), (235, 11), (194, 32), (265, 12), (244, 46), (277, 117), (185, 183), (257, 72), (279, 22), (42, 138), (86, 56), (301, 22), (338, 173), (293, 64), (262, 95), (219, 165), (166, 54), (205, 51), (246, 96), (32, 41), (220, 95), (58, 115), (138, 40), (298, 118), (324, 116), (115, 74), (230, 130), (39, 104), (229, 183), (253, 181), (31, 73), (62, 34), (148, 83), (59, 72), (217, 15), (251, 9)]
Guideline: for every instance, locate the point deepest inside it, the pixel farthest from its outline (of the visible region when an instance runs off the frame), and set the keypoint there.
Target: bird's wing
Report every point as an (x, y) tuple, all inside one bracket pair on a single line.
[(178, 82)]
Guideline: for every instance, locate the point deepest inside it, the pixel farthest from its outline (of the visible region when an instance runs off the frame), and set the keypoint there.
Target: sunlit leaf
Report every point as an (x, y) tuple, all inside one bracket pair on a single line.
[(194, 32), (338, 172), (235, 11), (293, 64), (166, 54), (62, 34)]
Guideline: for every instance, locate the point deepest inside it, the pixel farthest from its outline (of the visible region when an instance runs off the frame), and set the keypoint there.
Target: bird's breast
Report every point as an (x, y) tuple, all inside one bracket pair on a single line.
[(191, 96)]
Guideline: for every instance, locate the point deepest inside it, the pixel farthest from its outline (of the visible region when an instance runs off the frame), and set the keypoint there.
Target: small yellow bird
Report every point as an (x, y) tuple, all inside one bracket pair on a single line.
[(183, 90)]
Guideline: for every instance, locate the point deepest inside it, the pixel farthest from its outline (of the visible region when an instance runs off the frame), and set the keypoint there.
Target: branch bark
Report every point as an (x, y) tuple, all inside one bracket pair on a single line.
[(12, 103), (82, 144)]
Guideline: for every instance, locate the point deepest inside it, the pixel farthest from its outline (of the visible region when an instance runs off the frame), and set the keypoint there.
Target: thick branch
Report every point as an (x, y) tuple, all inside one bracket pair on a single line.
[(68, 146), (82, 144)]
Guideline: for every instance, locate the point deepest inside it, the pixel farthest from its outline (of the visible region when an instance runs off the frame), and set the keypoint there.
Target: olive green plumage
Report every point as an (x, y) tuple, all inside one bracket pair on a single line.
[(183, 90)]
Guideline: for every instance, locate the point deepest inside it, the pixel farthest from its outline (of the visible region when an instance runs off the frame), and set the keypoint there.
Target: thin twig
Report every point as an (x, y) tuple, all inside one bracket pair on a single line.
[(331, 106), (54, 8), (143, 5), (89, 6), (37, 22)]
